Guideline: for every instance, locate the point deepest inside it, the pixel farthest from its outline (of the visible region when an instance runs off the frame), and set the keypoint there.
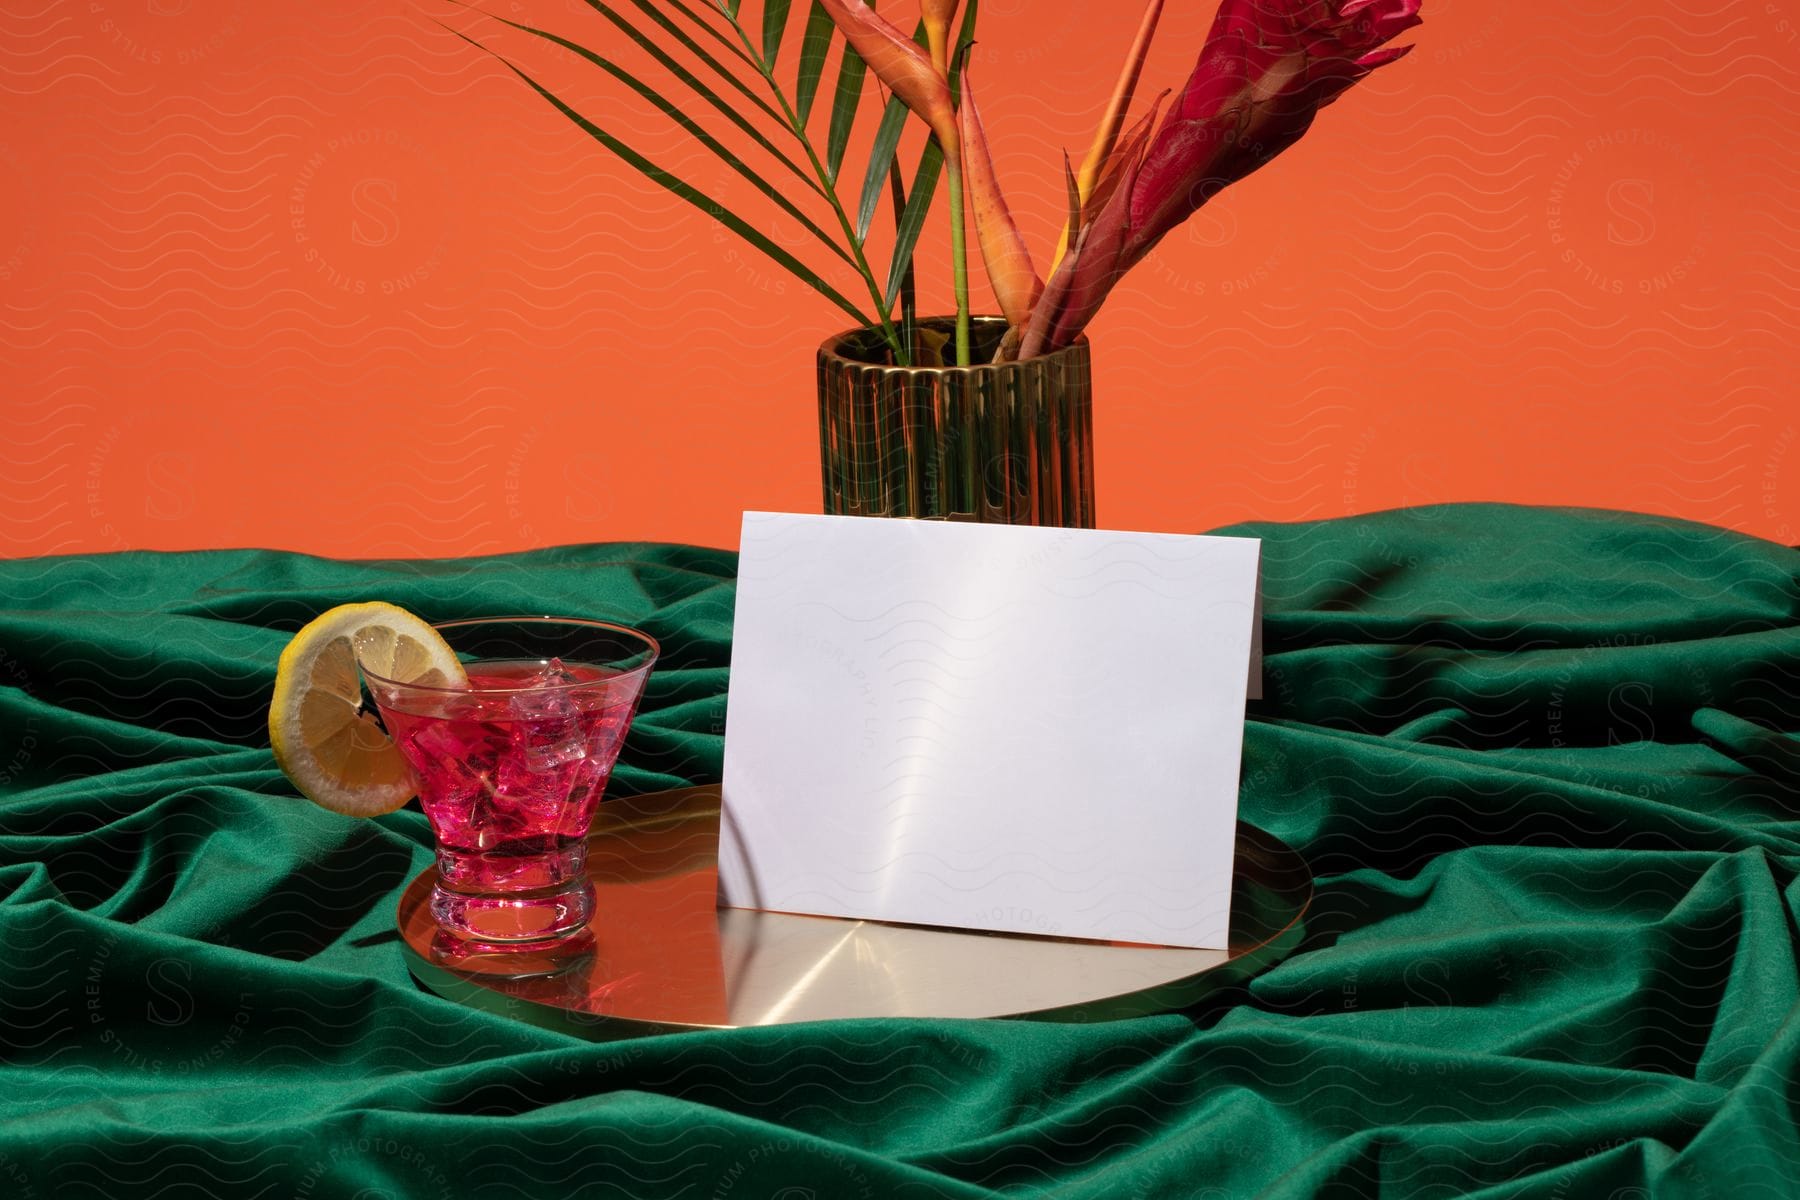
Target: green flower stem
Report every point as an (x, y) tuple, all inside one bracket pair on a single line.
[(959, 261), (901, 355)]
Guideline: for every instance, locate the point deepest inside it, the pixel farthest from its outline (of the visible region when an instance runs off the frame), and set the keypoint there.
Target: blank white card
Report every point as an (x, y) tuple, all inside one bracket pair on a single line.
[(987, 726)]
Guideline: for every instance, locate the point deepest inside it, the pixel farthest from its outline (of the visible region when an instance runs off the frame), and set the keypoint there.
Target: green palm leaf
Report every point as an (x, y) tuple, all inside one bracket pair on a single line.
[(706, 27), (912, 220), (694, 48), (700, 89), (815, 43), (909, 307), (683, 189), (844, 103), (669, 109), (881, 158), (925, 179), (965, 38), (775, 15), (881, 161)]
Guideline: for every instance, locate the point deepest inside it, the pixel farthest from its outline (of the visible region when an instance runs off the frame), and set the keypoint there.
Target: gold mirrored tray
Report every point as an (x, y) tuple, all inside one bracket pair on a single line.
[(659, 955)]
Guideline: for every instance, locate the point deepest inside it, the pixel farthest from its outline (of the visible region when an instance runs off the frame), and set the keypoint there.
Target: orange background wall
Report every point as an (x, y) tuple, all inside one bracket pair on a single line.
[(320, 276)]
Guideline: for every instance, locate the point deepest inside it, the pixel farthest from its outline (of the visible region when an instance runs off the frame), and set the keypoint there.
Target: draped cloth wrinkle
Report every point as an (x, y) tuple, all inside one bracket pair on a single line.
[(1544, 762)]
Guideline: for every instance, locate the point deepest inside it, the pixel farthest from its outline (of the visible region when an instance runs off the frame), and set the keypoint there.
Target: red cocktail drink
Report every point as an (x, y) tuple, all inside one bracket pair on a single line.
[(511, 769)]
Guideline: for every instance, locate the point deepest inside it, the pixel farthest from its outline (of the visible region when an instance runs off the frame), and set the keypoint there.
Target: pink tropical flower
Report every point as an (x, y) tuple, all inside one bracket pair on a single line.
[(1267, 68)]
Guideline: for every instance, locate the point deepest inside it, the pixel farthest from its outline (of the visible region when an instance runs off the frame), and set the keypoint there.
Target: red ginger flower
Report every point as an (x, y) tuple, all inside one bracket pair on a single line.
[(1267, 67)]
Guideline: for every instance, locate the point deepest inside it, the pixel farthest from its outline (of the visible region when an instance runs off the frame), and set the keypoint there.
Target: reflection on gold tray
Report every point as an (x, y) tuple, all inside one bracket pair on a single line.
[(659, 955)]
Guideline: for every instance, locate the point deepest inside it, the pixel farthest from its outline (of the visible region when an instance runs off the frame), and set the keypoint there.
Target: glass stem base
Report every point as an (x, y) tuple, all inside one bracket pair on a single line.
[(519, 900)]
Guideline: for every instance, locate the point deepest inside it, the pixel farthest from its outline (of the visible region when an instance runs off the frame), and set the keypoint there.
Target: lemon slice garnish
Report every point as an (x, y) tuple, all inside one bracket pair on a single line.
[(332, 749)]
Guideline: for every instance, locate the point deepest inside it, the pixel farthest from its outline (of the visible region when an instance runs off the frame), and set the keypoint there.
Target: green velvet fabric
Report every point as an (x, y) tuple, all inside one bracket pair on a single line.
[(1542, 762)]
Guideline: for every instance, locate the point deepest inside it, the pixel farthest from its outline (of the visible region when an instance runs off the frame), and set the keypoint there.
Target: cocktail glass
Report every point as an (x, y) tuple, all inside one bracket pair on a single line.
[(510, 769)]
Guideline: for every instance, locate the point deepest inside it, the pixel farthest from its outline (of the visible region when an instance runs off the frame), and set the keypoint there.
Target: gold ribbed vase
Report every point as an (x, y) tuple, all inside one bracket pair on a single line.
[(1011, 443)]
